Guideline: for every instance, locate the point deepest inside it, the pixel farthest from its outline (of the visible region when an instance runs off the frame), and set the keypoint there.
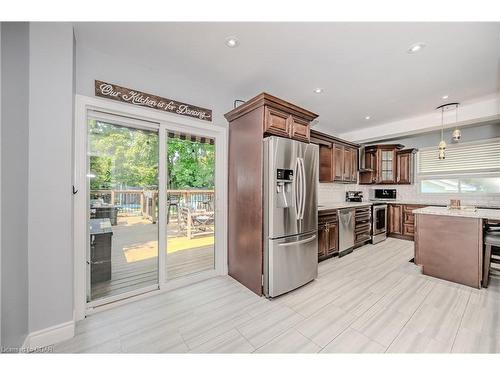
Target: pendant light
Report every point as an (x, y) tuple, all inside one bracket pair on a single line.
[(457, 134), (442, 144)]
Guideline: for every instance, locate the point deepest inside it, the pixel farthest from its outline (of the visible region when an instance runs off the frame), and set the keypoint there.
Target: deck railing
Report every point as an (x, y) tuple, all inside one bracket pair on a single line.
[(145, 202)]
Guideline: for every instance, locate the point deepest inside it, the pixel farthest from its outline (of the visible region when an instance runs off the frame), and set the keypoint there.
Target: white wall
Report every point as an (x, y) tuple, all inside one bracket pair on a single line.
[(50, 175), (92, 64), (14, 175)]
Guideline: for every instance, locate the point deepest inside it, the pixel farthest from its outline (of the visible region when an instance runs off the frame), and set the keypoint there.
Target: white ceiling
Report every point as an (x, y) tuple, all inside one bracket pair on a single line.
[(363, 68)]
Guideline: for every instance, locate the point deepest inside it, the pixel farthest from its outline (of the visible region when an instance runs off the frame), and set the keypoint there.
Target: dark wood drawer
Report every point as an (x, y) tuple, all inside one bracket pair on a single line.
[(408, 218), (408, 229), (365, 227), (361, 237), (327, 217)]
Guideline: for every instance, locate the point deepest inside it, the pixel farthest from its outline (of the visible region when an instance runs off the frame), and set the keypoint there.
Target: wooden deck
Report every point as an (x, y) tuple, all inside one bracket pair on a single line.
[(134, 257)]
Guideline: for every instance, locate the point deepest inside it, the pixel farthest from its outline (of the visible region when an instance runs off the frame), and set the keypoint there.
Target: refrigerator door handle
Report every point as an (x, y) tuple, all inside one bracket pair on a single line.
[(297, 188), (304, 188), (312, 238)]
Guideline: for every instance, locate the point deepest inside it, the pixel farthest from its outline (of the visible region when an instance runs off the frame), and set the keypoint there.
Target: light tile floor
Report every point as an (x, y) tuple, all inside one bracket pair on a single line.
[(372, 300)]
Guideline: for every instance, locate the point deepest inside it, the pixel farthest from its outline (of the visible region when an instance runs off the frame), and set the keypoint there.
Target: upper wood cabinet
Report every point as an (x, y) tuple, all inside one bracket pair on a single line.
[(276, 116), (405, 161), (299, 129), (386, 159), (276, 122), (338, 159), (387, 164)]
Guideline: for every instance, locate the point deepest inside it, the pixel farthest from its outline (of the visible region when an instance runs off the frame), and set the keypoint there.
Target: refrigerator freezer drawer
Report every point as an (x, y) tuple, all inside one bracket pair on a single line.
[(293, 262)]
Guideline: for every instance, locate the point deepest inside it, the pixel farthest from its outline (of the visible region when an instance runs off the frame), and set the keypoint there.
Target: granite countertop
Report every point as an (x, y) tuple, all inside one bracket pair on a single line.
[(480, 213), (338, 205)]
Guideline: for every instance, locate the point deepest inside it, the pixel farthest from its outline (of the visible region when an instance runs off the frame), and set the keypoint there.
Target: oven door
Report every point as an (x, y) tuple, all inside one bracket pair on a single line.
[(379, 219)]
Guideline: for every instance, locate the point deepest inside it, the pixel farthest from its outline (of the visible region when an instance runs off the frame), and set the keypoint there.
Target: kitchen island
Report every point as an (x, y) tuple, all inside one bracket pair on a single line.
[(449, 243)]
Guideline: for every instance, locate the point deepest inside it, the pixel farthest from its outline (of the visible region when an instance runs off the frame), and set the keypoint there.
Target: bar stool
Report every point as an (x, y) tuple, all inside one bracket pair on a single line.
[(491, 239)]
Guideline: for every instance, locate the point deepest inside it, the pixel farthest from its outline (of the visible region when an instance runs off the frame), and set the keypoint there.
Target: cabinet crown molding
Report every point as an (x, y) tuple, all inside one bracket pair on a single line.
[(272, 101)]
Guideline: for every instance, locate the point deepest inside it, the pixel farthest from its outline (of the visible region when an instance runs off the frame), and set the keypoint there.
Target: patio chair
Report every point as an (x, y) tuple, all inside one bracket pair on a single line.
[(194, 222), (173, 201)]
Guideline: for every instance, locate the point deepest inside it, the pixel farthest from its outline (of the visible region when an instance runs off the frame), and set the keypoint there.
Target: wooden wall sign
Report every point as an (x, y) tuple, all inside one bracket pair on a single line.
[(123, 94)]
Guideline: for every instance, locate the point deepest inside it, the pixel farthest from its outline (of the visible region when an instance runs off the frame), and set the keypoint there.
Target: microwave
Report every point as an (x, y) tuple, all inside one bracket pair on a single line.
[(383, 194)]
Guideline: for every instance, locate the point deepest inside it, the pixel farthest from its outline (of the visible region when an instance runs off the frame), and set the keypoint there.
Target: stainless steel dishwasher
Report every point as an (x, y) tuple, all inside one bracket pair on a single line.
[(346, 230)]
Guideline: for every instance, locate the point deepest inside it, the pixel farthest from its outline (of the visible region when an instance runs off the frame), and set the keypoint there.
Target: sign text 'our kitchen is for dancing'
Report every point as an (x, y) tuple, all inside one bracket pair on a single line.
[(123, 94)]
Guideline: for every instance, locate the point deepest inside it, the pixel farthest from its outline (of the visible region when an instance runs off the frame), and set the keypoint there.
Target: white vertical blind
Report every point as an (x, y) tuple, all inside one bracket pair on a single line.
[(466, 158)]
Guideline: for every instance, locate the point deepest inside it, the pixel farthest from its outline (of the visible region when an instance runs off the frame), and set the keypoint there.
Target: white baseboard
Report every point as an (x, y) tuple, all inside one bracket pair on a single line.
[(49, 336)]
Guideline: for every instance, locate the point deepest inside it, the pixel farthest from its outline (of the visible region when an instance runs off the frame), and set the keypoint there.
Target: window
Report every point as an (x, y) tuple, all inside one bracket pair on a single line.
[(472, 167)]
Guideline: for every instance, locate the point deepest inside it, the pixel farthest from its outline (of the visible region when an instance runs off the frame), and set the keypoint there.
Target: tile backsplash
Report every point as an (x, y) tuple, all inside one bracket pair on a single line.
[(333, 192)]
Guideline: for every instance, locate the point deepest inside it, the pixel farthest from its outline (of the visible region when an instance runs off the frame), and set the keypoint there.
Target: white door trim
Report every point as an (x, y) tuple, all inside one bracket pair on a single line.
[(166, 121)]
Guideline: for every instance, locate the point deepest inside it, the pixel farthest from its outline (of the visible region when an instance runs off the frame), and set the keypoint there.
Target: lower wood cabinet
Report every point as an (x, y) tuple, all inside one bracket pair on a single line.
[(362, 226), (394, 219), (328, 235), (401, 220)]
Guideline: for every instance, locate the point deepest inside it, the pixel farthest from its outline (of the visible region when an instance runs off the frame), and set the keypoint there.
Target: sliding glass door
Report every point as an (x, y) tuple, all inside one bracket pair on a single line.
[(190, 204), (150, 206), (122, 254)]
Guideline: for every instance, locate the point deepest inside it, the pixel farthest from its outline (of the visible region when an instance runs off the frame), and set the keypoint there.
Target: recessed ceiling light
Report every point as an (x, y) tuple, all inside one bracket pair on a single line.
[(318, 90), (414, 48), (367, 117), (232, 42), (444, 97)]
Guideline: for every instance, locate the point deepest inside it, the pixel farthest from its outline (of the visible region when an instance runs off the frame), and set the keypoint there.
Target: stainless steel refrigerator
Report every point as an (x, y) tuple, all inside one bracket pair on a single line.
[(290, 214)]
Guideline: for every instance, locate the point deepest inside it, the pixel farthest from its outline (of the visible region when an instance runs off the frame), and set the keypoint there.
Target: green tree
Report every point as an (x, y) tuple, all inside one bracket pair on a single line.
[(124, 158)]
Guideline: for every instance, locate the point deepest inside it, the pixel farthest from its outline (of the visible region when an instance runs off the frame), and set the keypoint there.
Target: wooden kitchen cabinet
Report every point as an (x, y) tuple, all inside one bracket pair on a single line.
[(276, 122), (405, 161), (369, 174), (326, 163), (286, 125), (347, 174), (338, 159), (395, 219), (387, 166), (382, 165), (299, 129), (328, 235), (354, 165), (401, 220)]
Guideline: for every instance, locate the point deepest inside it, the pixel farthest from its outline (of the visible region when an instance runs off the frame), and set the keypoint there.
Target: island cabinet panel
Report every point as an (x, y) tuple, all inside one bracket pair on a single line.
[(450, 248)]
